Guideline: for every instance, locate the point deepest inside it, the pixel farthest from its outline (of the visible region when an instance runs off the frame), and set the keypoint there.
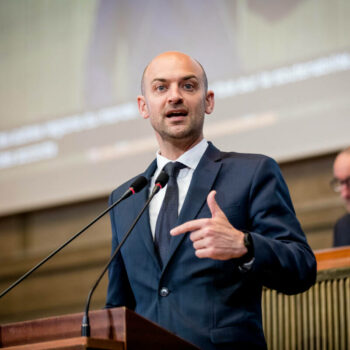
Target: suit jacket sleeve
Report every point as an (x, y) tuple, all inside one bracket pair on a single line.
[(283, 259)]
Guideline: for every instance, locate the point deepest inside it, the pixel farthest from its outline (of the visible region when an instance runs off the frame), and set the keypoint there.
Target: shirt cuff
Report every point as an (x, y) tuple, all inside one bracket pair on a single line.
[(247, 266)]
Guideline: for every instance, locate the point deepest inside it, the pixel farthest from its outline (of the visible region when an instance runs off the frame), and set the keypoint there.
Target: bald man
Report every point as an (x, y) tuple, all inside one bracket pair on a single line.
[(341, 184), (222, 228)]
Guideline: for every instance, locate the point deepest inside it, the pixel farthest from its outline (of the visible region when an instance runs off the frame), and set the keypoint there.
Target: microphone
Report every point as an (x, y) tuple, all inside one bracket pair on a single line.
[(160, 182), (139, 183)]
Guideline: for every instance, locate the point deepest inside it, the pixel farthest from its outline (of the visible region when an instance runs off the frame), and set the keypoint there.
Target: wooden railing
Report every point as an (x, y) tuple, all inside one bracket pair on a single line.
[(318, 319)]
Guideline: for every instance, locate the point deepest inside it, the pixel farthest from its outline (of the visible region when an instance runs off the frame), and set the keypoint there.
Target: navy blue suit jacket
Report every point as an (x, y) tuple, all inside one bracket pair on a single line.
[(341, 235), (212, 303)]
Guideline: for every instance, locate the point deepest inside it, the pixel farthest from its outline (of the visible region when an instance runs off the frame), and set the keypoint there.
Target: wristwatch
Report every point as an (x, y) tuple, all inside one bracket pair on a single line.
[(248, 243)]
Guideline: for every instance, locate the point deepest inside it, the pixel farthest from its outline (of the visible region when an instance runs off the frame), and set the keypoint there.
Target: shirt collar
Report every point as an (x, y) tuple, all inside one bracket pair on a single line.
[(190, 158)]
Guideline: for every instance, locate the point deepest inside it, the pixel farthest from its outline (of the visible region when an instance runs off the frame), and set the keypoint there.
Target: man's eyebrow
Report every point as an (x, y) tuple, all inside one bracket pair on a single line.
[(186, 77), (158, 79), (192, 76)]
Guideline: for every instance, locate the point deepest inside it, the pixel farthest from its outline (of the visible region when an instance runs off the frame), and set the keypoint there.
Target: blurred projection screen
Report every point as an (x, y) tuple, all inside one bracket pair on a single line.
[(70, 129)]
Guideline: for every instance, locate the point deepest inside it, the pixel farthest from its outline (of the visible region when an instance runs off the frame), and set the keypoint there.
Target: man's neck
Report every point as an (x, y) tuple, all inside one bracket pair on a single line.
[(174, 149)]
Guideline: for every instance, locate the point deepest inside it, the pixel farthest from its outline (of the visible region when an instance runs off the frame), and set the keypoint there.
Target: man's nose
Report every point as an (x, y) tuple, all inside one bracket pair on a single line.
[(175, 95)]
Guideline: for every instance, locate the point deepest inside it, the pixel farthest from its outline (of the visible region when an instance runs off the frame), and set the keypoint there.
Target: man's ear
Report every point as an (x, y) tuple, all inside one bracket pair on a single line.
[(143, 109), (209, 102)]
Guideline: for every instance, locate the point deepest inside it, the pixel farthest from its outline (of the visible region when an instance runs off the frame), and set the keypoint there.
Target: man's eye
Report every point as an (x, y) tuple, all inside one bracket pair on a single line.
[(160, 88), (188, 86)]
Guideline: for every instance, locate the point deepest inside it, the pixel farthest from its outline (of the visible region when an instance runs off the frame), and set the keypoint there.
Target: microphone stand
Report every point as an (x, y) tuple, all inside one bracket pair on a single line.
[(139, 183), (160, 183)]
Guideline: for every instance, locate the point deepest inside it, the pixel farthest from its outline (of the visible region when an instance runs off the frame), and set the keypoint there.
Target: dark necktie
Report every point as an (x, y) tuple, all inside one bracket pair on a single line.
[(168, 213)]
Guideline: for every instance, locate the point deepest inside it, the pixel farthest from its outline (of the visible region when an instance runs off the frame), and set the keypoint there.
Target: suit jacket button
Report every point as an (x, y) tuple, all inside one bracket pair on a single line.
[(164, 292)]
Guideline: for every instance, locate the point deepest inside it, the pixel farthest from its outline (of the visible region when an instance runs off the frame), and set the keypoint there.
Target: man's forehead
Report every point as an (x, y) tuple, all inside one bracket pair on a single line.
[(342, 163), (166, 65), (344, 157), (173, 62)]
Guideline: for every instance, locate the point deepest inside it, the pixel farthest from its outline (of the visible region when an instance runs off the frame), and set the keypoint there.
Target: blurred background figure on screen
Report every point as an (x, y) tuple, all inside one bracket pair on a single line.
[(341, 185)]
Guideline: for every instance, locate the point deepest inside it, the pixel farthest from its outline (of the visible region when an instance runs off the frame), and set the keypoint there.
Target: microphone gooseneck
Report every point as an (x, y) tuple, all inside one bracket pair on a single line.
[(160, 182), (139, 183)]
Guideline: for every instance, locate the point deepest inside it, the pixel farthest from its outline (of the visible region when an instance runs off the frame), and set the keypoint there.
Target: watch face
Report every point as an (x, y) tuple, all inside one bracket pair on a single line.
[(248, 244), (246, 241)]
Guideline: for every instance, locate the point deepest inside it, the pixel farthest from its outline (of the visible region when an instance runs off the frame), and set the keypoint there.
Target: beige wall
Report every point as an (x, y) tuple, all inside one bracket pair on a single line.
[(63, 284)]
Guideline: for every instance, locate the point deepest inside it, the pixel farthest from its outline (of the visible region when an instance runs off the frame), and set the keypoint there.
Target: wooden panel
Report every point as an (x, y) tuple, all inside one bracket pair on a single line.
[(57, 288), (105, 324), (47, 229), (11, 238), (333, 258), (118, 324), (81, 343), (318, 318)]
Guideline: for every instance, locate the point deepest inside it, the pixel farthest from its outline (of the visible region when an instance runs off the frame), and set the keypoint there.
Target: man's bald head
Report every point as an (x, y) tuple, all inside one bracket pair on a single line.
[(345, 151), (170, 54)]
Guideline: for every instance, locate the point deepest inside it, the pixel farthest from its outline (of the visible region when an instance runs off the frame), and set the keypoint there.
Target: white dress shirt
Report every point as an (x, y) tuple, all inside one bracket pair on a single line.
[(191, 159)]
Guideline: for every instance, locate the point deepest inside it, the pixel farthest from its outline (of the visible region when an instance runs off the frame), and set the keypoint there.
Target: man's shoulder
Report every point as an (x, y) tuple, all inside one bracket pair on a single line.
[(255, 157), (341, 231), (249, 167), (214, 152), (247, 159), (125, 186), (344, 221)]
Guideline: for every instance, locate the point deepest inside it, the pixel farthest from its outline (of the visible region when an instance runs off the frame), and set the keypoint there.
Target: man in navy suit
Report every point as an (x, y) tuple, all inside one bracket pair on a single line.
[(236, 229)]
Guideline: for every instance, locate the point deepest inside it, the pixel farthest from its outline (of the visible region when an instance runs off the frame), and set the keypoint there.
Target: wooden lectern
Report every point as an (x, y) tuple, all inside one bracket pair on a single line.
[(116, 329)]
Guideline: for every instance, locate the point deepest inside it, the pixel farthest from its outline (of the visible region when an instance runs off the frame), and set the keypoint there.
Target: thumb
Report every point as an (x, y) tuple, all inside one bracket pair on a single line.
[(214, 206)]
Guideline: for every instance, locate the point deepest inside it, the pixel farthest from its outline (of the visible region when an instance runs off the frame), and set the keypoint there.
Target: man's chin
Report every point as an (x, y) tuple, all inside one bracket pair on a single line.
[(180, 133)]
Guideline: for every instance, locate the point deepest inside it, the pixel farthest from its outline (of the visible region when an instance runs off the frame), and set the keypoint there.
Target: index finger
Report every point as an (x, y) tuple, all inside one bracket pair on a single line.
[(191, 225)]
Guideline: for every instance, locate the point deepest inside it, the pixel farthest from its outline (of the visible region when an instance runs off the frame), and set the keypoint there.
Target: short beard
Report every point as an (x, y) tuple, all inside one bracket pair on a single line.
[(192, 133)]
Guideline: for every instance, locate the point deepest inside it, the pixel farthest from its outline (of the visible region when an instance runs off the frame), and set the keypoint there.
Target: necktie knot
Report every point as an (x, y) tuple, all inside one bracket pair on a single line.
[(173, 168)]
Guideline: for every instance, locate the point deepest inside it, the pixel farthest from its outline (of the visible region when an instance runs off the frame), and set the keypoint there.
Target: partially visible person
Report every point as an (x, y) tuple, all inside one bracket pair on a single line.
[(341, 184)]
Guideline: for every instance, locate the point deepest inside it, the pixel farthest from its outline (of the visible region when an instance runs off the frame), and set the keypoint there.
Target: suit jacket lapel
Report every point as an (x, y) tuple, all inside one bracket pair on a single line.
[(143, 226), (201, 184)]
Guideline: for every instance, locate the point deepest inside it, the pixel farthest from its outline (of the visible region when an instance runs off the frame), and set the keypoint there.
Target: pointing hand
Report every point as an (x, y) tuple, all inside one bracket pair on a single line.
[(214, 237)]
